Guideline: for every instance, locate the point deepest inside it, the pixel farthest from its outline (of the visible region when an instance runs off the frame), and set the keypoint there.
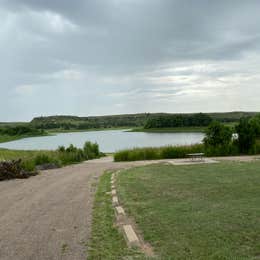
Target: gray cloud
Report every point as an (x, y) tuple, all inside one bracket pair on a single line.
[(98, 56)]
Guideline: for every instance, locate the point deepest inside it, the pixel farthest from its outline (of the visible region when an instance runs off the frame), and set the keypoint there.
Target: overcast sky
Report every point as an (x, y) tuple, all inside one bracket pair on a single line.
[(100, 57)]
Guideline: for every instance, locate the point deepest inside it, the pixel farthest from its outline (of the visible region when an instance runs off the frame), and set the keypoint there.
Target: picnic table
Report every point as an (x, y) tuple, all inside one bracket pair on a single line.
[(196, 156)]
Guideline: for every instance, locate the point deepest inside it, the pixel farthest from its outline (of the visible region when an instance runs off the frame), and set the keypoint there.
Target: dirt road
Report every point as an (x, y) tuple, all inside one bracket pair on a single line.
[(49, 216)]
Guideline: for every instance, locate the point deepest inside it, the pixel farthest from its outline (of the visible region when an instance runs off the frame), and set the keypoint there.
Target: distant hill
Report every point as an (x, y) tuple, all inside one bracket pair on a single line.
[(124, 120), (70, 122), (231, 116)]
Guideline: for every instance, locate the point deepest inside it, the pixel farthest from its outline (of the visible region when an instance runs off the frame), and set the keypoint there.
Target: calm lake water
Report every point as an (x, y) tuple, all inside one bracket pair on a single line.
[(109, 141)]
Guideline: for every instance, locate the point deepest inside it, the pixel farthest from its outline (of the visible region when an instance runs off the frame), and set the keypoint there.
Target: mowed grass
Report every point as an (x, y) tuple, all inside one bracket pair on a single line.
[(106, 240), (196, 212)]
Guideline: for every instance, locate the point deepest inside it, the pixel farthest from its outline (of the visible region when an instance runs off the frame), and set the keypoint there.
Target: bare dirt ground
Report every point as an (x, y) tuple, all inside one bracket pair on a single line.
[(49, 216)]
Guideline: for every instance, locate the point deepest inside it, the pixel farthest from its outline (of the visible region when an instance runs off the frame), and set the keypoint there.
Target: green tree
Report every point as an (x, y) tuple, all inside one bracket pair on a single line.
[(217, 135), (247, 132), (255, 122)]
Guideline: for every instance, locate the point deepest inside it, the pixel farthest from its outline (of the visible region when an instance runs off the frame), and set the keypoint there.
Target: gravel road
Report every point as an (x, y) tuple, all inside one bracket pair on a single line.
[(49, 216)]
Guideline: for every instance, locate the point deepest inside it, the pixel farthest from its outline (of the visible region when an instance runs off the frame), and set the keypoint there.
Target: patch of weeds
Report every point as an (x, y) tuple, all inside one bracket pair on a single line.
[(64, 248)]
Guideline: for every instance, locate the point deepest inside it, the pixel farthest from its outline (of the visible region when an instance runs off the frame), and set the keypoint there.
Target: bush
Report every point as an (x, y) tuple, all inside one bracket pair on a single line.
[(73, 154), (91, 150)]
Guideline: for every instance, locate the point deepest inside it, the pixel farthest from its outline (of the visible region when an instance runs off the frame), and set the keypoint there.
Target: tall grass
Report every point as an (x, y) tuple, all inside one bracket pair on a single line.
[(172, 152), (155, 153), (60, 157)]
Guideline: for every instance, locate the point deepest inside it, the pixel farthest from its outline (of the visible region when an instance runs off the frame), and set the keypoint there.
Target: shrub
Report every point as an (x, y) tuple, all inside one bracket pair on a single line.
[(71, 157), (71, 148), (91, 150), (73, 154)]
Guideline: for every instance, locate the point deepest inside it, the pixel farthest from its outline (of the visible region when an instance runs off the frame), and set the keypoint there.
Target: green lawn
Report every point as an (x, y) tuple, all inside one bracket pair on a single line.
[(196, 212), (106, 241)]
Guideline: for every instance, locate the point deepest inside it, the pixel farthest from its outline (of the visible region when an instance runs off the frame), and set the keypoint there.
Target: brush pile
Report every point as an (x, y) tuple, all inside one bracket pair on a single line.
[(13, 169)]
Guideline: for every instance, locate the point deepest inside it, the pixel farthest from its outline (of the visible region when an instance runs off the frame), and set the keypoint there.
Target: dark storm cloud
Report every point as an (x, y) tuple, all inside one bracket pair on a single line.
[(116, 45)]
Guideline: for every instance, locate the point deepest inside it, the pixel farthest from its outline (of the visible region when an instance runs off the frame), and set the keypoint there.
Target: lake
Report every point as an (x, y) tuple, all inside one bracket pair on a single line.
[(109, 140)]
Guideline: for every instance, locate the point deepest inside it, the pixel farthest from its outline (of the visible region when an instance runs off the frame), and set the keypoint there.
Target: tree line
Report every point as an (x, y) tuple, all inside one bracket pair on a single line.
[(20, 130), (180, 120)]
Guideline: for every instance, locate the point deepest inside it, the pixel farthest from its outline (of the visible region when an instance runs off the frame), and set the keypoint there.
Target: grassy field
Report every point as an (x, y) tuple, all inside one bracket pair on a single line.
[(8, 138), (6, 154), (106, 242), (195, 212)]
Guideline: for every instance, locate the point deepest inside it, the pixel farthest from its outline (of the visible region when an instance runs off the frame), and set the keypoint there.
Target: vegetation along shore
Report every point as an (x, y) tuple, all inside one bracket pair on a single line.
[(31, 161), (219, 141), (146, 122)]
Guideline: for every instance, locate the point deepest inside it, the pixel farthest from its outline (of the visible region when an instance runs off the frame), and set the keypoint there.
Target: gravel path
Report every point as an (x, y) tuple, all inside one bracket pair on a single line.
[(49, 216)]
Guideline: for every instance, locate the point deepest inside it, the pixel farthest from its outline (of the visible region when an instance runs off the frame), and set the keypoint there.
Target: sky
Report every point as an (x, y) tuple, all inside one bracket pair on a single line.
[(99, 57)]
